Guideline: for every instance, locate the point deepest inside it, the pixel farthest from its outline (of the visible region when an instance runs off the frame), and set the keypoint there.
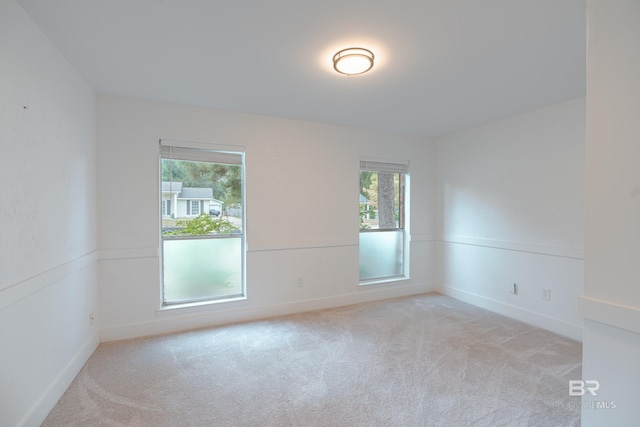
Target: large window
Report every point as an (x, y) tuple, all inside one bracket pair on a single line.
[(383, 220), (201, 195)]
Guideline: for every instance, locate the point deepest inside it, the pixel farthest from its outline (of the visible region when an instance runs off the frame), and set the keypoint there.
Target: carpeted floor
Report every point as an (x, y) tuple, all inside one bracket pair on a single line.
[(427, 360)]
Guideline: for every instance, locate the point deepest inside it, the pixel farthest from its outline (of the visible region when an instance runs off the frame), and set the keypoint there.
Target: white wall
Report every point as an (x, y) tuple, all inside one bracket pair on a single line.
[(611, 302), (301, 211), (510, 197), (48, 279)]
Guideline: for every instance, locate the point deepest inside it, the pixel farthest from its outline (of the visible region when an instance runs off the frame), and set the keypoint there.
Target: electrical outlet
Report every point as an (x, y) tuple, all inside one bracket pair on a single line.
[(546, 294), (300, 282), (513, 288), (92, 318)]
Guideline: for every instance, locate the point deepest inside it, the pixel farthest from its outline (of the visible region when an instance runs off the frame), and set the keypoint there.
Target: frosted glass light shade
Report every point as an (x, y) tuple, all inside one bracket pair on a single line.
[(353, 61)]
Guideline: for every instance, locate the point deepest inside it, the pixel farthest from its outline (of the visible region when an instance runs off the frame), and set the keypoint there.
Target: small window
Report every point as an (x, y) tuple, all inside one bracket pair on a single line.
[(195, 207), (383, 220), (202, 253), (166, 208)]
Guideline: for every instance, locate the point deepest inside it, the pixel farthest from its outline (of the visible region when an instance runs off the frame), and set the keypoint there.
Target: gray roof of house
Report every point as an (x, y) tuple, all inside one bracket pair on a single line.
[(196, 193), (363, 199), (187, 192), (174, 187)]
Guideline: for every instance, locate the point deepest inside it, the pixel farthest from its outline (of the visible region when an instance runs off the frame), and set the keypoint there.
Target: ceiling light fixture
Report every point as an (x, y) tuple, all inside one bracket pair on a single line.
[(353, 61)]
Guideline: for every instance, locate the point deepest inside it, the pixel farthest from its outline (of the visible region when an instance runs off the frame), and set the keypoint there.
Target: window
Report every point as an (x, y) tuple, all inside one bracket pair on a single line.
[(202, 253), (166, 208), (383, 220), (195, 207)]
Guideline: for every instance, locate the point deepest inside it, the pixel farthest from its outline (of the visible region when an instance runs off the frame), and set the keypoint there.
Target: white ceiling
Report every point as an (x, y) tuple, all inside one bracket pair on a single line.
[(441, 65)]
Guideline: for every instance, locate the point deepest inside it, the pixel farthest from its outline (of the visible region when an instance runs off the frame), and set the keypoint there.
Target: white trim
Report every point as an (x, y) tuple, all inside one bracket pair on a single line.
[(560, 251), (532, 318), (133, 253), (30, 286), (194, 307), (610, 313), (414, 238), (256, 246), (224, 314), (38, 413), (383, 280), (283, 245)]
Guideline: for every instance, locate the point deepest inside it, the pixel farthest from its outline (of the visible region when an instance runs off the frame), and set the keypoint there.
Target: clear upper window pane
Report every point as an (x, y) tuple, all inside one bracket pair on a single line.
[(381, 200), (200, 198)]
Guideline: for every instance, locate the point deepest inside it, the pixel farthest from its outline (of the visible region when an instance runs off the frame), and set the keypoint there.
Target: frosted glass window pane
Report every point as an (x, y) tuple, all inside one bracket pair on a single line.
[(202, 269), (381, 254)]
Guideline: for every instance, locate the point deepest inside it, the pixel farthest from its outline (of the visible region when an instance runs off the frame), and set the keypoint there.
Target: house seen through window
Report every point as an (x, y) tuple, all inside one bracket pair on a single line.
[(202, 224), (383, 221)]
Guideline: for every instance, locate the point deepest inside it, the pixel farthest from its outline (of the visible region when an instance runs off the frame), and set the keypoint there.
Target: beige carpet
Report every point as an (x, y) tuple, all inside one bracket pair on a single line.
[(420, 361)]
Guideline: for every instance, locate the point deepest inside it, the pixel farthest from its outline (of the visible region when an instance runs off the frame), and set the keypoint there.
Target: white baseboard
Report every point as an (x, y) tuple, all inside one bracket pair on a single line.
[(50, 397), (245, 312), (536, 319)]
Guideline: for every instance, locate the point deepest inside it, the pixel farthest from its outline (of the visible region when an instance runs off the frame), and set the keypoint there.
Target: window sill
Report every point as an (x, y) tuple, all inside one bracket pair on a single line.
[(194, 307), (383, 281)]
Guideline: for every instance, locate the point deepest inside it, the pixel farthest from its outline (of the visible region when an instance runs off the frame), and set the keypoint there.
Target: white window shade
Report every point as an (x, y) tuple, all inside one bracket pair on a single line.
[(200, 155), (384, 166)]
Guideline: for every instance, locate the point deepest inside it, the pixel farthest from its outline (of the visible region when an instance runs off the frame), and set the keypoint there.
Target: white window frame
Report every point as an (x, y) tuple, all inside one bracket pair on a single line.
[(396, 167), (222, 154)]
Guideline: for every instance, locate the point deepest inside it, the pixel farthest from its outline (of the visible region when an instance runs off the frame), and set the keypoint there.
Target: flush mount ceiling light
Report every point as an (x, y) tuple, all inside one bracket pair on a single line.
[(353, 61)]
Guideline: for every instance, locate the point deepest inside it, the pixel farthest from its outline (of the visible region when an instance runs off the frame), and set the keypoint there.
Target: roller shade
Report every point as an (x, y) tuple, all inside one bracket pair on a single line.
[(383, 166), (200, 155)]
